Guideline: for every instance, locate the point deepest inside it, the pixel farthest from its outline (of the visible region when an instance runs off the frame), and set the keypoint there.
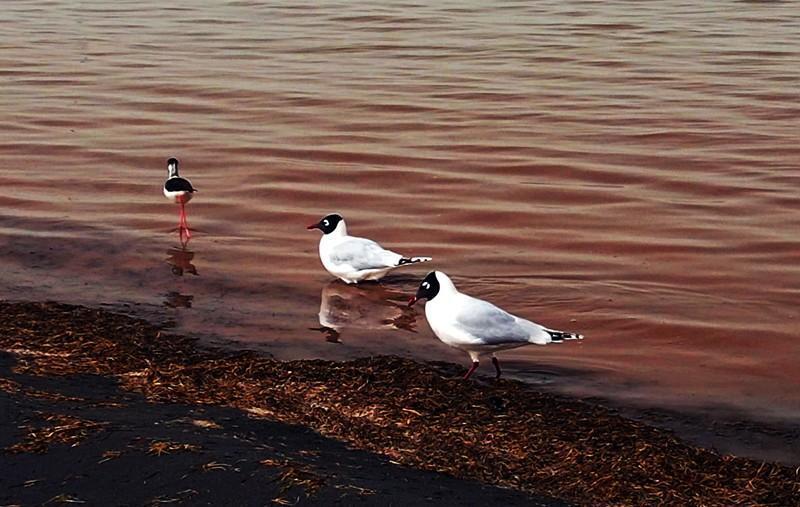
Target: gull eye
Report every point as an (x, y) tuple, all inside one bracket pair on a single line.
[(426, 285), (325, 222)]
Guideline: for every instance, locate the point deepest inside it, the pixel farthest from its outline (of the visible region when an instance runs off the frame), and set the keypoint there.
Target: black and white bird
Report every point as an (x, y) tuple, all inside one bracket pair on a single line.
[(179, 190), (354, 259), (475, 326)]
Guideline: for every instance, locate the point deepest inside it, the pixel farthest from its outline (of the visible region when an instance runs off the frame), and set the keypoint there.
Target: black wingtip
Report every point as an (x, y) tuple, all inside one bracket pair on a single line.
[(560, 336), (412, 260)]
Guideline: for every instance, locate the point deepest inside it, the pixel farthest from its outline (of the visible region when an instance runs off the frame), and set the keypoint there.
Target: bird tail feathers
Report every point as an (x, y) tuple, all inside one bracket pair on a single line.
[(560, 336), (413, 260)]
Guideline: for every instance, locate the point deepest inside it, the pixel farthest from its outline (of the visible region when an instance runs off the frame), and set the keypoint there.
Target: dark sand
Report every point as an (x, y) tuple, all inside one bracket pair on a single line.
[(210, 455), (104, 408)]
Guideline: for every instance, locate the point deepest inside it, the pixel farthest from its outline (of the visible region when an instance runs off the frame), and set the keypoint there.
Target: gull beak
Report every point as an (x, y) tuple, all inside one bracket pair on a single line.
[(412, 300), (313, 226)]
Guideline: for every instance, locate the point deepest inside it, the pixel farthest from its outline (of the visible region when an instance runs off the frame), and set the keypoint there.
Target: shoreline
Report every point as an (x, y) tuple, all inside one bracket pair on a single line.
[(83, 439), (504, 434)]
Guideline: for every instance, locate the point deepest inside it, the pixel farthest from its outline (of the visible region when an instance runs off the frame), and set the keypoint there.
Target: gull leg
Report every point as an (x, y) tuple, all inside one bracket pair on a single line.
[(496, 364), (471, 369)]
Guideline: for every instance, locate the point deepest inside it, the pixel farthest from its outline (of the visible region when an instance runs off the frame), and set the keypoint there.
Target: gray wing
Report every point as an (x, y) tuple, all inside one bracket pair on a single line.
[(361, 253), (492, 325)]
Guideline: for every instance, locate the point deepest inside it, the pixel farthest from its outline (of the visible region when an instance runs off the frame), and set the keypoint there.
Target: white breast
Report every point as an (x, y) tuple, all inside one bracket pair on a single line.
[(440, 318)]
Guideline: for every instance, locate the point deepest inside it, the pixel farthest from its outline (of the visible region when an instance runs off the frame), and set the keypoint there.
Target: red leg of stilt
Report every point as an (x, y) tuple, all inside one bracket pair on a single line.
[(471, 369), (184, 227), (496, 364)]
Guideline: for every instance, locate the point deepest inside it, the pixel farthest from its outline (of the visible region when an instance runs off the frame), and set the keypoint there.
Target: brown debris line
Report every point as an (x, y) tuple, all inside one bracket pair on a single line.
[(64, 498), (56, 429), (206, 424), (296, 474), (176, 498), (109, 455), (9, 386), (214, 465), (159, 447), (47, 395), (506, 434), (13, 387)]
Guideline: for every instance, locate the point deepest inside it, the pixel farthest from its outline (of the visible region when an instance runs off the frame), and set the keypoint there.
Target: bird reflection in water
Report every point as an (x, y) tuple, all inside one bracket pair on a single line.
[(362, 307), (180, 260), (175, 299)]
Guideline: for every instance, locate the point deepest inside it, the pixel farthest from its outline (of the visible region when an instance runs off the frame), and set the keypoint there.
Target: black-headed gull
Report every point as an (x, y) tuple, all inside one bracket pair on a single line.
[(179, 190), (475, 326), (355, 259)]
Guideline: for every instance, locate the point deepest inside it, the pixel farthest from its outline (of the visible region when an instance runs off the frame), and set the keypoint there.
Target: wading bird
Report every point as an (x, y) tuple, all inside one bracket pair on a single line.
[(179, 190), (355, 259), (475, 326)]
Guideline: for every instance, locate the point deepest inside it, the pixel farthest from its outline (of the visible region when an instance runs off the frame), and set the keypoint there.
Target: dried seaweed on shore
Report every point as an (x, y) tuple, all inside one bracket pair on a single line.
[(12, 387), (505, 434), (54, 428), (9, 385), (296, 474), (159, 447)]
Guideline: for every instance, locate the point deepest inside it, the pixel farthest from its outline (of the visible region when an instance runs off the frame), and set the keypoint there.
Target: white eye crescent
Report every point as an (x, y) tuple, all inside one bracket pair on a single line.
[(426, 285), (325, 222)]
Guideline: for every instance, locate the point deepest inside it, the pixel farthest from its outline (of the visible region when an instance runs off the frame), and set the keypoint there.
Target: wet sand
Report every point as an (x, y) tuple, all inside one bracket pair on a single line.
[(112, 447), (100, 378)]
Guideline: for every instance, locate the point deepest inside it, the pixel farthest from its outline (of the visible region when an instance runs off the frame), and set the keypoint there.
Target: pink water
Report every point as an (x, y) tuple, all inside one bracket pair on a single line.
[(626, 170)]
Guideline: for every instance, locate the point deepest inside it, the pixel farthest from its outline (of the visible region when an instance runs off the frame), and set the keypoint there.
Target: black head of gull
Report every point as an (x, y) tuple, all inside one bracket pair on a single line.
[(428, 289), (172, 167), (328, 224)]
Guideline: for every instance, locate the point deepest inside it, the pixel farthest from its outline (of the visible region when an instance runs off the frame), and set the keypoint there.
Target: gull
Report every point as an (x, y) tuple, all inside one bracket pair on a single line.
[(354, 259), (475, 326), (179, 190)]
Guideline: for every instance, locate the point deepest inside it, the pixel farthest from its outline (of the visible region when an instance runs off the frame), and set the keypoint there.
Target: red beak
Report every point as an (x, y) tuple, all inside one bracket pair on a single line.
[(313, 226), (412, 300)]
